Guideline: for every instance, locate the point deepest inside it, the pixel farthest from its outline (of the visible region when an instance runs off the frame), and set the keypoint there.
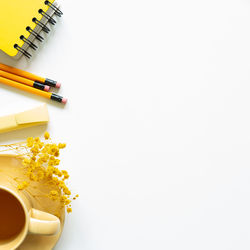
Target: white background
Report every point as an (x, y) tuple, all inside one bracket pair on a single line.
[(157, 124)]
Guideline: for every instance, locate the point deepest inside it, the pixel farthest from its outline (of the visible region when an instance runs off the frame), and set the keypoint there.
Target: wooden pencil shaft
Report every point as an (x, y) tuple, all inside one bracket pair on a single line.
[(21, 73), (25, 87), (16, 78)]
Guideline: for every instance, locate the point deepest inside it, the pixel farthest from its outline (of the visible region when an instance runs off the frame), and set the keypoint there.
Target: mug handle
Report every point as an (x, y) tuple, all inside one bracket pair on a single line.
[(43, 223)]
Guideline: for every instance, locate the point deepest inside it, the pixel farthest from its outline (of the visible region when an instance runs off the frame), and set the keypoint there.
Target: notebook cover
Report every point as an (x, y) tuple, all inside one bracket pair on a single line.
[(15, 16)]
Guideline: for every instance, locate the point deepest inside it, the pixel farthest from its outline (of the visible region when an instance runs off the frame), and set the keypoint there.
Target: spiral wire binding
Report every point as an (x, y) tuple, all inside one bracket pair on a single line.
[(31, 44), (58, 12), (51, 20), (43, 26), (35, 34), (40, 24), (24, 52)]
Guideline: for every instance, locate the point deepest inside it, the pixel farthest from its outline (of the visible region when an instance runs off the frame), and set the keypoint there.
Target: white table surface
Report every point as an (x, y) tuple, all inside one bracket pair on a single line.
[(157, 124)]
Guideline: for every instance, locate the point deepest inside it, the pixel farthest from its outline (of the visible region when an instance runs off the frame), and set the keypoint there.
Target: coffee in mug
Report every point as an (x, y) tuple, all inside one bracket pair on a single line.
[(12, 216), (18, 218)]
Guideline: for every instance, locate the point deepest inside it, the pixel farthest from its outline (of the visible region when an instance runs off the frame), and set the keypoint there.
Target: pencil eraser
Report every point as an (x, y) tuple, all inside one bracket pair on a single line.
[(64, 100), (58, 85), (46, 88)]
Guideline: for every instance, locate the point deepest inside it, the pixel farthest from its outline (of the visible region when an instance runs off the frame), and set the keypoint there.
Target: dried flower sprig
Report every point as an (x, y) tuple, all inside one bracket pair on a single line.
[(40, 162)]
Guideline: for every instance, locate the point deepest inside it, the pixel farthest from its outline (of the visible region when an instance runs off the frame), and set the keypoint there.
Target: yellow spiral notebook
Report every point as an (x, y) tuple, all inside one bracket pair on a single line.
[(21, 23)]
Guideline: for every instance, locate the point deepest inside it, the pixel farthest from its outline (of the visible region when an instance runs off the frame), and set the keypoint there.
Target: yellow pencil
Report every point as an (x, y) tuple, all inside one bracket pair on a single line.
[(30, 76), (29, 89), (25, 81)]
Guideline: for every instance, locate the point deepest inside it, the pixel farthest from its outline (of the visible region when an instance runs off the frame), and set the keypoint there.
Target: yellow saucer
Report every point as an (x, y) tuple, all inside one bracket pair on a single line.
[(11, 169)]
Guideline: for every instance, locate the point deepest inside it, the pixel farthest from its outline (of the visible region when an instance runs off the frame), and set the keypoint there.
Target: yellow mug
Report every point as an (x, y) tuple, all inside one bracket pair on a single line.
[(18, 218)]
